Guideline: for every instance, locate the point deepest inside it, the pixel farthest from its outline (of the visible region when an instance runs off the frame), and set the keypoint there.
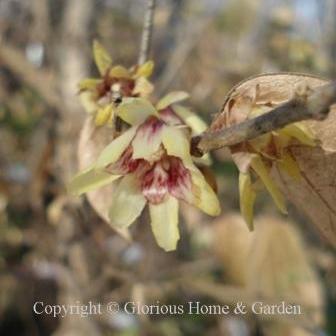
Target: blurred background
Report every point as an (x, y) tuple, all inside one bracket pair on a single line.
[(55, 249)]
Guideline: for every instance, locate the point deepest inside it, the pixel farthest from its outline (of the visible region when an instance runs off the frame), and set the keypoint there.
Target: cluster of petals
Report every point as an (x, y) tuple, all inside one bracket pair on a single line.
[(100, 96), (257, 158), (150, 164)]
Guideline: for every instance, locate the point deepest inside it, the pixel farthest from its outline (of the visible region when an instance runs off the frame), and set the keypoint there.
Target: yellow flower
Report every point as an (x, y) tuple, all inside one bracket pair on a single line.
[(256, 158), (153, 166), (100, 96)]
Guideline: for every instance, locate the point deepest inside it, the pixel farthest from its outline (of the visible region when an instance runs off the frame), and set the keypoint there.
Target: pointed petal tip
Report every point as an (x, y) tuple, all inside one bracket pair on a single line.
[(164, 222), (101, 57), (127, 203), (171, 98)]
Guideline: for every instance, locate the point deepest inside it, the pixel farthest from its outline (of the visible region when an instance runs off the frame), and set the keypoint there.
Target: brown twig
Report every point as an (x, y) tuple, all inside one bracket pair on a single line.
[(313, 105), (147, 32)]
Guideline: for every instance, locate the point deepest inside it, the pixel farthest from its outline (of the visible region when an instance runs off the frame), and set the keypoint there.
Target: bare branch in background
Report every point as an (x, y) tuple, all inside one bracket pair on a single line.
[(315, 105), (147, 32), (38, 79)]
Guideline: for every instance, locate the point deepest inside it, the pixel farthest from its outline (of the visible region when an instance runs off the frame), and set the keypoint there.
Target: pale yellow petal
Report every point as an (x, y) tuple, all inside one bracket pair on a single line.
[(290, 166), (127, 202), (146, 143), (135, 110), (196, 124), (101, 57), (145, 70), (164, 222), (113, 151), (301, 133), (104, 115), (89, 104), (88, 180), (204, 196), (247, 198), (282, 139), (176, 143), (119, 71), (242, 161), (264, 174), (143, 87), (88, 83), (171, 98)]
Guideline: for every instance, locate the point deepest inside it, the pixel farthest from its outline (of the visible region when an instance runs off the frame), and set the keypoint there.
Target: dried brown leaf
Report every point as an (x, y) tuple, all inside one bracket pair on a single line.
[(266, 90)]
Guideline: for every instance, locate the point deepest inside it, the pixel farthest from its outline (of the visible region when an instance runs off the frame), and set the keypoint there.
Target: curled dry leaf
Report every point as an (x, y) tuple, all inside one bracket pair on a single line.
[(314, 192), (92, 141)]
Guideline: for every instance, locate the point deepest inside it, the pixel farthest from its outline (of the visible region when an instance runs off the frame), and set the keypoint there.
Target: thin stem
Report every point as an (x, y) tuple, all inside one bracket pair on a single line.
[(315, 105), (146, 38)]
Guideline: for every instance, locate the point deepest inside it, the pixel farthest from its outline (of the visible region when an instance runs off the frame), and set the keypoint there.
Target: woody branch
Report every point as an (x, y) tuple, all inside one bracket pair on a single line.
[(311, 105)]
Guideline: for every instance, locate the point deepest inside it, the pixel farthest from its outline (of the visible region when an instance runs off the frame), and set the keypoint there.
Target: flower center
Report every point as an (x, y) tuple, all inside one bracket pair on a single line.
[(113, 87), (167, 175)]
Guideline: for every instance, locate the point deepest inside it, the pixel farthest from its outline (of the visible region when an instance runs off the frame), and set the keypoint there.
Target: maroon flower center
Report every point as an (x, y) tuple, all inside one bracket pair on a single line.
[(126, 86), (167, 175)]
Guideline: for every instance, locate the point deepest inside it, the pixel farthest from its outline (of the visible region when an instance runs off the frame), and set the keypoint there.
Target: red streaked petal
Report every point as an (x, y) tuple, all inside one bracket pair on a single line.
[(179, 183), (169, 116), (148, 139), (155, 184), (125, 165)]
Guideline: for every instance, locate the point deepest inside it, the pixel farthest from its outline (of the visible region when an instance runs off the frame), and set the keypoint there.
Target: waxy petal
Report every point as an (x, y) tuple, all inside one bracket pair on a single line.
[(290, 166), (143, 87), (145, 70), (263, 172), (171, 98), (88, 180), (191, 119), (176, 143), (169, 116), (242, 161), (88, 102), (147, 140), (164, 222), (154, 184), (127, 202), (114, 150), (125, 164), (281, 140), (247, 198), (119, 71), (104, 114), (180, 183), (135, 110), (204, 196), (101, 57), (301, 133)]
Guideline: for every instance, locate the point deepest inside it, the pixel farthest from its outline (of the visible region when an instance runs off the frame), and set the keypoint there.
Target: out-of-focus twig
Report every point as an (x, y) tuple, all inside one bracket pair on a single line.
[(39, 80), (147, 32), (315, 105)]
